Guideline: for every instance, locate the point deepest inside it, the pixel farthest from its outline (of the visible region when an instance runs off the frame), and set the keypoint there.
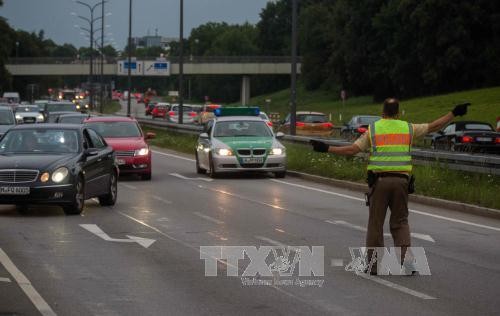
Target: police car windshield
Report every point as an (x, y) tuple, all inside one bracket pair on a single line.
[(116, 129), (242, 129)]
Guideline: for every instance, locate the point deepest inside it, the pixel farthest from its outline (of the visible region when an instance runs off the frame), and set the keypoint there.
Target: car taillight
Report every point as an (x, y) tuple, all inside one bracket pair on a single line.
[(171, 113), (300, 124), (270, 124), (327, 125), (192, 114), (467, 139), (361, 130), (497, 140)]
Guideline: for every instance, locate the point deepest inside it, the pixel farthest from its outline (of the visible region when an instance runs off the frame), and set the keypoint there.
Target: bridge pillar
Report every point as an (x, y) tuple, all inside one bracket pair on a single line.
[(245, 90)]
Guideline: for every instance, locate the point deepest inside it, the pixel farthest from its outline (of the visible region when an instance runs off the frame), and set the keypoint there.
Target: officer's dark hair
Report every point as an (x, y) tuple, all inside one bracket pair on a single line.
[(391, 107)]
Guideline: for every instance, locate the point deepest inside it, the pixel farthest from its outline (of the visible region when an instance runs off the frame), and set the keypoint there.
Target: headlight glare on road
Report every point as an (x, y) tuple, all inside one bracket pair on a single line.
[(45, 177), (224, 152), (142, 152), (276, 151), (60, 174)]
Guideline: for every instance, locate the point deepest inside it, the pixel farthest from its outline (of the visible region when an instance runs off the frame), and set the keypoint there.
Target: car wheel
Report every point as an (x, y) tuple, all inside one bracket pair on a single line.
[(211, 171), (110, 198), (76, 207), (146, 176), (198, 169), (280, 174)]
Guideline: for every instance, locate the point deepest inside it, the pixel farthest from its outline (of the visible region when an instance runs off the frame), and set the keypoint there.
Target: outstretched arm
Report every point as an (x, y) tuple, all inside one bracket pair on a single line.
[(441, 122), (350, 150)]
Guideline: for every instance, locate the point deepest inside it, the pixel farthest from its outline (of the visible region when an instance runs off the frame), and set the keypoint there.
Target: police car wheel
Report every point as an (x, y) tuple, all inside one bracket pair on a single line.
[(199, 170), (280, 174), (211, 171)]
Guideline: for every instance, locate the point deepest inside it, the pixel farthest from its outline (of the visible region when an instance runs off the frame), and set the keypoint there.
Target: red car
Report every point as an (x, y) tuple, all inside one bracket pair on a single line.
[(124, 134), (159, 110)]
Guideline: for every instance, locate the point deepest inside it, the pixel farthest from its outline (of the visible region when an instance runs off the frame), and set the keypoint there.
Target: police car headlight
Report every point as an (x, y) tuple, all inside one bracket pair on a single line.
[(224, 152), (276, 151), (60, 174), (141, 152)]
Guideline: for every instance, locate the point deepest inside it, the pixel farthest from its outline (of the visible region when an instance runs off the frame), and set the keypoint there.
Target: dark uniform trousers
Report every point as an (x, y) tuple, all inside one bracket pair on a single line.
[(392, 192)]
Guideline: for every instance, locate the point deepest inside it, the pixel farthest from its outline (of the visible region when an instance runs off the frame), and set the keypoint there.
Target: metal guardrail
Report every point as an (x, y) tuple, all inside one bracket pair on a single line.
[(173, 59), (478, 163)]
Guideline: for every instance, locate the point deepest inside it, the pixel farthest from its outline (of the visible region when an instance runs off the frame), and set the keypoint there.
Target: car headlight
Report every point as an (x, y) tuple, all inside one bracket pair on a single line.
[(18, 117), (86, 106), (224, 152), (60, 174), (39, 117), (276, 151), (141, 152), (78, 106), (45, 177)]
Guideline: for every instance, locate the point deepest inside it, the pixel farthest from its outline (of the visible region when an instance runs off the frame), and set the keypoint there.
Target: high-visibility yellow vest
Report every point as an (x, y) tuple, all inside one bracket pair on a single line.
[(390, 146)]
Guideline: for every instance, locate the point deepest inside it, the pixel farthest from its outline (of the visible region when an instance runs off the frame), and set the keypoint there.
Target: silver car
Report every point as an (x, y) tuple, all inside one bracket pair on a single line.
[(240, 144), (26, 114), (190, 112)]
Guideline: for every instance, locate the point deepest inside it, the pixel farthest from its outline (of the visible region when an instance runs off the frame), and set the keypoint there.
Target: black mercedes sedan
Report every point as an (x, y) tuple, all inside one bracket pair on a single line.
[(58, 164)]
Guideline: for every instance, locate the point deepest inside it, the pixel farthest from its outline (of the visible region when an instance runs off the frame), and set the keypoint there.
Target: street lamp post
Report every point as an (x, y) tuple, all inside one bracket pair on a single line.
[(293, 88), (91, 31), (181, 62), (101, 99), (129, 48)]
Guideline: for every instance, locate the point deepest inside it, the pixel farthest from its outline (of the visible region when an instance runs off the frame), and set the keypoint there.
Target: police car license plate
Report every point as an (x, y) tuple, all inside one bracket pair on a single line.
[(253, 160), (484, 139), (14, 190), (120, 161)]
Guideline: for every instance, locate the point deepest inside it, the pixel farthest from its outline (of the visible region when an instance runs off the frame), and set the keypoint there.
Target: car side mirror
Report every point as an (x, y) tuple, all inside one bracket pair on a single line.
[(280, 135), (90, 152), (150, 135), (204, 136)]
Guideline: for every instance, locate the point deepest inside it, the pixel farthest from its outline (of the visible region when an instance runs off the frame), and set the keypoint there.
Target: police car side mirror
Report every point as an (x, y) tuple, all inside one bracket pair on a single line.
[(204, 136), (280, 135)]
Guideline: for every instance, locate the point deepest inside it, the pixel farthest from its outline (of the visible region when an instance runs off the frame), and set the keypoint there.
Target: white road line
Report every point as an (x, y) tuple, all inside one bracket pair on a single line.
[(396, 286), (94, 229), (411, 210), (26, 285), (363, 229), (174, 156), (180, 176), (161, 199), (129, 186), (208, 218), (5, 280)]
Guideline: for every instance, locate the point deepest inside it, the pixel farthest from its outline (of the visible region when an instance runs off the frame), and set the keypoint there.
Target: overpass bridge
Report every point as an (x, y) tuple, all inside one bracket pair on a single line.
[(243, 66)]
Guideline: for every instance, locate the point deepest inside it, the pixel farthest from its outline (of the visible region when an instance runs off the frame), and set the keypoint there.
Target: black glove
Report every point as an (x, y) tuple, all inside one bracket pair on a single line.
[(319, 146), (460, 109)]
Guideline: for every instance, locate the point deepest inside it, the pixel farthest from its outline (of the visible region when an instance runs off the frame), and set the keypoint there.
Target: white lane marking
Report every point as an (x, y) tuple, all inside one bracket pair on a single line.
[(129, 186), (208, 218), (180, 176), (26, 286), (161, 199), (174, 156), (337, 263), (276, 243), (94, 229), (5, 280), (363, 229), (396, 286), (411, 210), (163, 219)]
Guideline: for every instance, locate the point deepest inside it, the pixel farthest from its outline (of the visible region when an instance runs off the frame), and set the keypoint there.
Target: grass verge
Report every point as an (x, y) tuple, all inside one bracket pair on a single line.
[(433, 181), (111, 107)]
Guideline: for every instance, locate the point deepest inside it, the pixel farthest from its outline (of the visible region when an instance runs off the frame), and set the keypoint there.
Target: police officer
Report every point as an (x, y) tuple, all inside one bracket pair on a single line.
[(389, 141)]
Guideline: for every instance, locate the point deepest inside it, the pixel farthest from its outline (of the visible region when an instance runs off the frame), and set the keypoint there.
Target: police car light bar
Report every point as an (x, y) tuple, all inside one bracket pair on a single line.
[(237, 111)]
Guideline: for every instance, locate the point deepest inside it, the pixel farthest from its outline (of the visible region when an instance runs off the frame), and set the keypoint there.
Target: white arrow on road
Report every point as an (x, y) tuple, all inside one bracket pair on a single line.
[(360, 228), (94, 229)]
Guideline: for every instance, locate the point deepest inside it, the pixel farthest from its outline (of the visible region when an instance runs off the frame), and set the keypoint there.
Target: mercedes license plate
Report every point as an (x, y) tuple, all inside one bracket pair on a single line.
[(484, 139), (253, 160), (120, 161), (14, 190)]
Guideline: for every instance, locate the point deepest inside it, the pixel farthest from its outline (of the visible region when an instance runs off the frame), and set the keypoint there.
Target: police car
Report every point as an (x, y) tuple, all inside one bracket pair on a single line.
[(238, 140)]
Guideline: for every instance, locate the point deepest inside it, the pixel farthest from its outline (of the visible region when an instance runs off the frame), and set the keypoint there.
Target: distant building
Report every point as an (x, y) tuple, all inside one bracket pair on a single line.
[(153, 41)]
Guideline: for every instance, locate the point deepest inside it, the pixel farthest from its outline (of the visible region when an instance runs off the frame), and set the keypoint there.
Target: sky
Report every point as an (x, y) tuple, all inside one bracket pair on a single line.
[(54, 17)]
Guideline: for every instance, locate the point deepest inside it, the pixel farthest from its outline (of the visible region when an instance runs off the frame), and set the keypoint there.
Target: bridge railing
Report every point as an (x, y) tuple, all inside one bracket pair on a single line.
[(173, 59)]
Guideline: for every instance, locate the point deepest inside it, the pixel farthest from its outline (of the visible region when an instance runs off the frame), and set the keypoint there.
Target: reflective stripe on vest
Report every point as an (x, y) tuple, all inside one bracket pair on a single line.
[(390, 146)]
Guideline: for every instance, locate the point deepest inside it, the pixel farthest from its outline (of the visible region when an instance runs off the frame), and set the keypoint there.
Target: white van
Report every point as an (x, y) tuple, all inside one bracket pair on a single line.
[(11, 97)]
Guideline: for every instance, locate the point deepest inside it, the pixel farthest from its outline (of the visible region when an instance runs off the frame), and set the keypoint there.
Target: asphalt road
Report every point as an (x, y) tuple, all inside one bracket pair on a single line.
[(86, 265)]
